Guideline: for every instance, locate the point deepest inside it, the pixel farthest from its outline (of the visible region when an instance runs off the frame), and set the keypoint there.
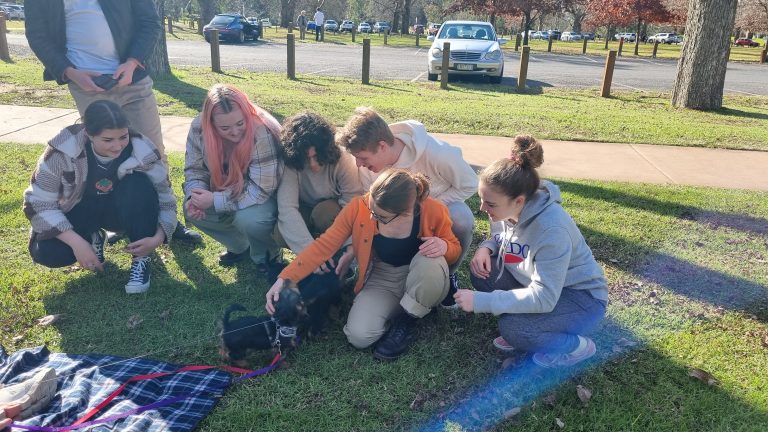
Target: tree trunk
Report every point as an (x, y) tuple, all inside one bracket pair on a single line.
[(207, 10), (405, 28), (157, 63), (578, 18), (608, 35), (637, 35), (287, 12), (704, 56), (526, 27)]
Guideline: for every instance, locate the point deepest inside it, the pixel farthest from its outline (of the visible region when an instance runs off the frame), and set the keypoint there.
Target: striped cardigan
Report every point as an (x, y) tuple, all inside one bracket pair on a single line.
[(58, 182)]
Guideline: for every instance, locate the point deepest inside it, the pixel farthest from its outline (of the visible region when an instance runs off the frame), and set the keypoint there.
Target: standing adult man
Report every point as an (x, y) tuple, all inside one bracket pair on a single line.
[(98, 48), (301, 21), (319, 21), (378, 146)]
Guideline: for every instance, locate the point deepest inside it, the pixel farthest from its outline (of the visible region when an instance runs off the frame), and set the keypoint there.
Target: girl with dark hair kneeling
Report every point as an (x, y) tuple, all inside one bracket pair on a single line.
[(403, 242), (94, 176), (536, 271)]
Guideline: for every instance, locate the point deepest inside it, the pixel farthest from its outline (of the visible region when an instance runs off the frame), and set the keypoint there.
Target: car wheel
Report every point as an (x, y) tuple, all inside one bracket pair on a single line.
[(241, 37), (431, 76)]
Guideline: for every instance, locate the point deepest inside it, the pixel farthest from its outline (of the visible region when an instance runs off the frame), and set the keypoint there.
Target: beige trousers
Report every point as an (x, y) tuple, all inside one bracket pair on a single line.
[(417, 288), (318, 219)]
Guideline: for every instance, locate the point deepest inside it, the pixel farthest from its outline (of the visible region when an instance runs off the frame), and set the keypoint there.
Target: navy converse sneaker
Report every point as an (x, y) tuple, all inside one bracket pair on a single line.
[(98, 239), (138, 281), (453, 285)]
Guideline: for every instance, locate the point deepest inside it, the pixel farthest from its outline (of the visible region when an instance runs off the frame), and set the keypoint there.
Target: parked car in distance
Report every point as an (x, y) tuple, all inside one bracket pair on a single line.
[(588, 36), (666, 38), (418, 29), (628, 37), (364, 27), (433, 28), (746, 42), (14, 11), (530, 34), (381, 27), (346, 26), (231, 27), (475, 50), (555, 34), (540, 35), (265, 22), (570, 36), (311, 25), (331, 25)]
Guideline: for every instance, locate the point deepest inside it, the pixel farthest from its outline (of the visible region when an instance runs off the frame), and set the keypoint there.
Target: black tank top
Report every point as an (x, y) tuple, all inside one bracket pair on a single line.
[(399, 252)]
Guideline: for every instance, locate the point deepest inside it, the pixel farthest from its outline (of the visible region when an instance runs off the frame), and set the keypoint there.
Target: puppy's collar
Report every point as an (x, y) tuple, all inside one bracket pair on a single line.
[(282, 332)]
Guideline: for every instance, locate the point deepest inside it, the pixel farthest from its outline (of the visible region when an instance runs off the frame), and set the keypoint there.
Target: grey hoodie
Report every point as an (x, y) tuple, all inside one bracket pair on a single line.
[(451, 179), (545, 252)]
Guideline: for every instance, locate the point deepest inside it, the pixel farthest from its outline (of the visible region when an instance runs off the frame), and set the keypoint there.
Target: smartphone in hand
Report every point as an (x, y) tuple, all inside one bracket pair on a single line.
[(105, 81)]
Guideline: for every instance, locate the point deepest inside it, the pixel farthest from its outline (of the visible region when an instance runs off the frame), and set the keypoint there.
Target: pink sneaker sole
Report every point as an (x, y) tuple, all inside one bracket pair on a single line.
[(502, 345)]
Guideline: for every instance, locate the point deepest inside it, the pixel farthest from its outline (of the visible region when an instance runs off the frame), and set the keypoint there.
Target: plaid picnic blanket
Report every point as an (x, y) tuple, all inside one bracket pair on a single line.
[(86, 380)]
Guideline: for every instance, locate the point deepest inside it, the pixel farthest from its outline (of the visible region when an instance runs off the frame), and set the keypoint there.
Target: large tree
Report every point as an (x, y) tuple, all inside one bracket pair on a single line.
[(577, 9), (704, 56), (528, 9), (628, 12), (158, 63)]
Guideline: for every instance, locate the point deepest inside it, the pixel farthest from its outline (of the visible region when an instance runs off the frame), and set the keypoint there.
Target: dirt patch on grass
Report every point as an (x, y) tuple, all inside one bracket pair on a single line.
[(744, 223)]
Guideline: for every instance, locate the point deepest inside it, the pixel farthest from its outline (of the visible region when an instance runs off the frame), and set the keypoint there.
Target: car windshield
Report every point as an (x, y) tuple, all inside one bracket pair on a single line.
[(331, 22), (222, 19), (467, 31)]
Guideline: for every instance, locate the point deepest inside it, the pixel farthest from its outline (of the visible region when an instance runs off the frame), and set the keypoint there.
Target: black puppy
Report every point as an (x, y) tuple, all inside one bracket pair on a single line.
[(250, 333), (319, 292)]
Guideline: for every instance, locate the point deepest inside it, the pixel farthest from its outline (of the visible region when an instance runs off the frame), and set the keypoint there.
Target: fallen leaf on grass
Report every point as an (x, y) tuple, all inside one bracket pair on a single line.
[(49, 319), (550, 399), (18, 338), (765, 340), (559, 423), (703, 376), (583, 393), (134, 321), (511, 412), (508, 362), (615, 261), (418, 402)]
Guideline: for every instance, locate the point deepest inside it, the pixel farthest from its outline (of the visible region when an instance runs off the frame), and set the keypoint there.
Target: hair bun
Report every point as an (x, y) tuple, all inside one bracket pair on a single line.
[(527, 151)]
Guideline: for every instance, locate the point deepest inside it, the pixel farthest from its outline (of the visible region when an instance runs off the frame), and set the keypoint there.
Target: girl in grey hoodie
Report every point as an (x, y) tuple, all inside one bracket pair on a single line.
[(536, 272)]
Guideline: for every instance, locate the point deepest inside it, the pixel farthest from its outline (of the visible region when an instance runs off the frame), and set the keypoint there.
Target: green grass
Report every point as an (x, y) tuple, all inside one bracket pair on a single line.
[(579, 115), (701, 251)]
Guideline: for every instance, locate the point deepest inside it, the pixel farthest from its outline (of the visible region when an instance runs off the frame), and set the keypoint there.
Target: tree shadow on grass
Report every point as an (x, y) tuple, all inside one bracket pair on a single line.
[(190, 95), (731, 112)]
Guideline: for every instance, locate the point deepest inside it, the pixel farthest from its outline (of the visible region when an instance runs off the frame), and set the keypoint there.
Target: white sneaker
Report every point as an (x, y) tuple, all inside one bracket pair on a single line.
[(585, 350), (33, 394), (502, 345), (138, 281)]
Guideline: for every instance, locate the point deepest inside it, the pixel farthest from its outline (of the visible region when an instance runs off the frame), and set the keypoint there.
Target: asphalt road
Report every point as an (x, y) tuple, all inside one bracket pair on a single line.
[(397, 63)]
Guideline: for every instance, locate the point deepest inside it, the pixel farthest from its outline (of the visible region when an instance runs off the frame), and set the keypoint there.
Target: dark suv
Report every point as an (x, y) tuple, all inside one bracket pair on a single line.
[(232, 27)]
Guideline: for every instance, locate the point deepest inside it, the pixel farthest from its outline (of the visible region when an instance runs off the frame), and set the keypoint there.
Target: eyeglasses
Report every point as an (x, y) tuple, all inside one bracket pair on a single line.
[(383, 220)]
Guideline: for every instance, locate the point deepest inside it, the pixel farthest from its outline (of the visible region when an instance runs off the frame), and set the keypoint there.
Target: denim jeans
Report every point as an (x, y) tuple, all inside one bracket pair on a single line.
[(556, 332), (463, 228)]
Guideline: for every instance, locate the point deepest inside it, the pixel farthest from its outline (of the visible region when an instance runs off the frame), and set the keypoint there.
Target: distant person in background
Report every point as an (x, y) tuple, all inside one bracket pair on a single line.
[(301, 21), (319, 21), (99, 49), (231, 172)]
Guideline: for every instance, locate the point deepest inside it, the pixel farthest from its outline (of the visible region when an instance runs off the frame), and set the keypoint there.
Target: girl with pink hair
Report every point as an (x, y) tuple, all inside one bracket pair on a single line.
[(232, 171)]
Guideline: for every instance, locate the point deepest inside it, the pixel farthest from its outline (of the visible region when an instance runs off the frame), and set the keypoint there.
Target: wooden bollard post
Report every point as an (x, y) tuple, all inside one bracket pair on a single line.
[(366, 61), (417, 39), (763, 55), (385, 38), (523, 75), (517, 42), (621, 45), (445, 65), (291, 56), (4, 53), (584, 46), (354, 31), (215, 57), (655, 48), (170, 25), (610, 62), (200, 25), (549, 46)]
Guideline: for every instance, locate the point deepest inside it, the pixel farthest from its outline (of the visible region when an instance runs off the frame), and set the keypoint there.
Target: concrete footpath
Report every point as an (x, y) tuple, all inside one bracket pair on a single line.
[(640, 163)]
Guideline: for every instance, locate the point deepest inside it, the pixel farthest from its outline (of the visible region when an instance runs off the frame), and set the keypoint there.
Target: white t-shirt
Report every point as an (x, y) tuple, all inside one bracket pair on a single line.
[(90, 44), (319, 18)]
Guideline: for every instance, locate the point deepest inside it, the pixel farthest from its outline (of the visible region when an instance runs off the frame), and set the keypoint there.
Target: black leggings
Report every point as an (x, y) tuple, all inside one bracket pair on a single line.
[(132, 208)]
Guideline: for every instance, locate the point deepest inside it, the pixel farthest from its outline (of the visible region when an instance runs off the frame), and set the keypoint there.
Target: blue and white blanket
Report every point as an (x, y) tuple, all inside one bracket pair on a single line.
[(86, 380)]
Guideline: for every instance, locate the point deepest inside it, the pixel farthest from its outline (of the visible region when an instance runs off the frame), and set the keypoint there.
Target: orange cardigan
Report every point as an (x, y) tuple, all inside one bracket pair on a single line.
[(355, 220)]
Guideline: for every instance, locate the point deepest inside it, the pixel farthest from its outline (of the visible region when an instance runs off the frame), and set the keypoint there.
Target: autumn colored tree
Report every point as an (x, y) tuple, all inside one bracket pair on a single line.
[(620, 13), (528, 9)]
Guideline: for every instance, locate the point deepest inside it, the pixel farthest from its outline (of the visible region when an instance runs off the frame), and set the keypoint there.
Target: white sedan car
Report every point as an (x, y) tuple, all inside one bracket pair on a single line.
[(475, 50)]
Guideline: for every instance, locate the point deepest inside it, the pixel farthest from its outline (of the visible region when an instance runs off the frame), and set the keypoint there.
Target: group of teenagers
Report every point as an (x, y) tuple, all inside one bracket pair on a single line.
[(388, 197)]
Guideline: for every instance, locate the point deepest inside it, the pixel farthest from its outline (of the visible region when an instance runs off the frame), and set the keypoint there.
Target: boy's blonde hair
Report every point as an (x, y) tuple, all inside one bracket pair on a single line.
[(363, 131)]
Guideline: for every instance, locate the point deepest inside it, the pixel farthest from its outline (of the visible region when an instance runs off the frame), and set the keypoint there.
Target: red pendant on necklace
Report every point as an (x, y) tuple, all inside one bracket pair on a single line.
[(104, 185)]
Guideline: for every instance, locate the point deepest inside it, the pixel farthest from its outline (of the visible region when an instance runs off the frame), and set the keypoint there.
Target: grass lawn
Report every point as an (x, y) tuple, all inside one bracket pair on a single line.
[(579, 115), (688, 279)]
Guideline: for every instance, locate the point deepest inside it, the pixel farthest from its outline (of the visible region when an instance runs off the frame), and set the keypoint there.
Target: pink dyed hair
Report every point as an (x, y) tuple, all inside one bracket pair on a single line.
[(224, 98)]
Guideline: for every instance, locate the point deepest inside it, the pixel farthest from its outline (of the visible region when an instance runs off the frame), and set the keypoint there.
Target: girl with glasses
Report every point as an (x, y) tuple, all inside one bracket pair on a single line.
[(403, 242)]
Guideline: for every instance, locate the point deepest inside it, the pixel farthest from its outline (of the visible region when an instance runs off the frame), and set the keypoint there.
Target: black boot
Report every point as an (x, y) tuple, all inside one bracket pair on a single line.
[(397, 340), (182, 233), (229, 258)]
